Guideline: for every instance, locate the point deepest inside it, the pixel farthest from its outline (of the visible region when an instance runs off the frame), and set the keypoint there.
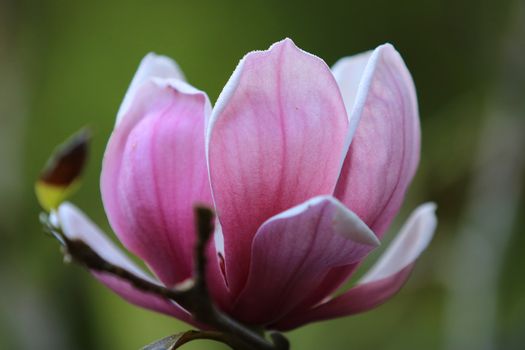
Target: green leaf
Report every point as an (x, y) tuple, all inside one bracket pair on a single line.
[(169, 343), (175, 341), (60, 178)]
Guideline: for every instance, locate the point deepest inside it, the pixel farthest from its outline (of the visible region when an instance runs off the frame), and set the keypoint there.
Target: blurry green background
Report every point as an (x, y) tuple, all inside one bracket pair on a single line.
[(65, 64)]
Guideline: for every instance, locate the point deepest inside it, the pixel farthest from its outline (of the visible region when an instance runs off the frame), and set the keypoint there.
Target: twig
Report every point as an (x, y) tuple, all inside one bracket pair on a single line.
[(205, 311), (194, 298)]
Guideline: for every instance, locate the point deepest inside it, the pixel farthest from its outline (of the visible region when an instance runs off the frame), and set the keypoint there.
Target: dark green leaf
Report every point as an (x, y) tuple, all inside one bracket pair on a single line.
[(173, 342)]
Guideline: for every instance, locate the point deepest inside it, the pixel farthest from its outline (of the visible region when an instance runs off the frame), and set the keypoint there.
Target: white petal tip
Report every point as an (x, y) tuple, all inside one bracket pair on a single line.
[(351, 226), (151, 66)]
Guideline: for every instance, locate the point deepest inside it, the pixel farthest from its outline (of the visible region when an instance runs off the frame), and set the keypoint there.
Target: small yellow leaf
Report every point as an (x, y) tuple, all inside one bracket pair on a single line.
[(50, 196)]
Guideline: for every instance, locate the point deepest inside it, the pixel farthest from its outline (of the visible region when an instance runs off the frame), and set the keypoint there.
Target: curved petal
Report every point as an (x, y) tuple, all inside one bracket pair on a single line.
[(293, 250), (412, 240), (151, 66), (348, 73), (275, 140), (384, 279), (77, 226), (384, 150), (154, 172)]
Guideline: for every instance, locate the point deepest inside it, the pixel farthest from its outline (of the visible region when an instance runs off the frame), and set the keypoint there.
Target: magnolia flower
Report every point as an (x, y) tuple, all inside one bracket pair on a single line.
[(305, 166)]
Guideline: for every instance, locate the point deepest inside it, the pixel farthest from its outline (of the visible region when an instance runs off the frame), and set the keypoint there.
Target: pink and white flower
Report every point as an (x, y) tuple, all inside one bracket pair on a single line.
[(305, 166)]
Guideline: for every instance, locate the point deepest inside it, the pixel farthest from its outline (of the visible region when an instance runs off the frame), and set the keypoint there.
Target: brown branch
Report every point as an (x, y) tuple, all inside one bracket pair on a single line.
[(194, 298), (82, 254), (203, 309)]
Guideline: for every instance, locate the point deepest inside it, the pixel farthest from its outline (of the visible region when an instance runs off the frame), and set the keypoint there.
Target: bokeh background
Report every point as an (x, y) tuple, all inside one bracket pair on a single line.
[(65, 64)]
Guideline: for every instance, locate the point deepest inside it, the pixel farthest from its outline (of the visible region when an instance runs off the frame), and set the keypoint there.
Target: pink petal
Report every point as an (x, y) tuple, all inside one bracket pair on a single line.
[(154, 172), (76, 226), (384, 150), (349, 74), (275, 140), (294, 250), (151, 66), (326, 286), (384, 279)]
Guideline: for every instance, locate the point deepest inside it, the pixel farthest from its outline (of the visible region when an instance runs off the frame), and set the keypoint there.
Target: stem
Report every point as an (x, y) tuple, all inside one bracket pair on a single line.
[(195, 298), (205, 311)]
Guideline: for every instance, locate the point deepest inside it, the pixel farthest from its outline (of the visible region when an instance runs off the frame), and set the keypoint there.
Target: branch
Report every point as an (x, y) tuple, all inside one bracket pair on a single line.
[(194, 298), (205, 311)]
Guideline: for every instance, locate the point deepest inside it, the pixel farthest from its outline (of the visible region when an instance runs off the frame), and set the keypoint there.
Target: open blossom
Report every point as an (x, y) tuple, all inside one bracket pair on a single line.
[(305, 167)]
